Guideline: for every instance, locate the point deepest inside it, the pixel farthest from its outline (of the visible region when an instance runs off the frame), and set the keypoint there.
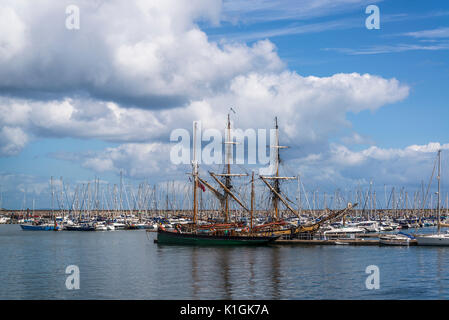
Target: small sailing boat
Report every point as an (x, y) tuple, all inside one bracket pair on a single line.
[(344, 232), (438, 239), (44, 225)]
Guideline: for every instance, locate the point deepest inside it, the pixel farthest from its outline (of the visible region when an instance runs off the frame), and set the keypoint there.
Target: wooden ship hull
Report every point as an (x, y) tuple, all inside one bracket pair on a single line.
[(173, 237)]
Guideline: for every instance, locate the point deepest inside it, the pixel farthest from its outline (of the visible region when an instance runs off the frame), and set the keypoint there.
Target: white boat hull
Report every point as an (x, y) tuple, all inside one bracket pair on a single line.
[(118, 225), (4, 220), (344, 232), (394, 240), (433, 240)]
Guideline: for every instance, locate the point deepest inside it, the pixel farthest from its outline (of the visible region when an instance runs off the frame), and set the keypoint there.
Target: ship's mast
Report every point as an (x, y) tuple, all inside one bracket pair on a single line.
[(226, 185), (275, 186), (252, 201), (228, 167), (276, 181), (195, 174)]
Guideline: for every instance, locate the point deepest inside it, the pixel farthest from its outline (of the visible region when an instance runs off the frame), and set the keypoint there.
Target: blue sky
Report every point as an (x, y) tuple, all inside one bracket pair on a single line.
[(272, 40), (422, 117)]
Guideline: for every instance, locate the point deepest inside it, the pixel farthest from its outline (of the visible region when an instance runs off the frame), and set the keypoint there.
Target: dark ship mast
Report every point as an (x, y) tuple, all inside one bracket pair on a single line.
[(226, 185), (275, 186)]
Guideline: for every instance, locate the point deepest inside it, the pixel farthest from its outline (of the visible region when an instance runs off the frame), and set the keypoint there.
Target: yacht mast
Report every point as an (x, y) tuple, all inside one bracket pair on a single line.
[(52, 197), (438, 199), (299, 195), (120, 196), (276, 181)]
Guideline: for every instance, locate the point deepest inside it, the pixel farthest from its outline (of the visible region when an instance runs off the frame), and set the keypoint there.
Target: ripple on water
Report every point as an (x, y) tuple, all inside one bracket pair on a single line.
[(128, 265)]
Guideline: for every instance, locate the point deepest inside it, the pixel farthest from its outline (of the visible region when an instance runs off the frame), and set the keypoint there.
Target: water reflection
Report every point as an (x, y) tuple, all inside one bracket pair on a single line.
[(223, 262), (275, 272), (252, 274), (195, 278), (230, 273), (440, 259), (128, 265)]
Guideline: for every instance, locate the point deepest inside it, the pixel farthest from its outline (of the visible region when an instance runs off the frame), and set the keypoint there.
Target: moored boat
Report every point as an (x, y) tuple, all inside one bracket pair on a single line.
[(344, 232), (100, 227), (119, 225), (4, 220), (40, 227), (441, 239), (80, 227), (194, 238), (437, 239), (216, 234), (394, 240)]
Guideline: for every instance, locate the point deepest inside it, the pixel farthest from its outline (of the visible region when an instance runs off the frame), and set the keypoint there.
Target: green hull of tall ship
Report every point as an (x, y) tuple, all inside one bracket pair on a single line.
[(170, 237)]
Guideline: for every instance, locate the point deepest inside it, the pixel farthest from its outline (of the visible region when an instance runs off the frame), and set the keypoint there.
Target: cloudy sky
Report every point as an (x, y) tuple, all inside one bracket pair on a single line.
[(355, 105)]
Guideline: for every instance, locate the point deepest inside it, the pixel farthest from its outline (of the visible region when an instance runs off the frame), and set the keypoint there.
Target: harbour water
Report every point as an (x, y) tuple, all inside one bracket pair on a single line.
[(128, 265)]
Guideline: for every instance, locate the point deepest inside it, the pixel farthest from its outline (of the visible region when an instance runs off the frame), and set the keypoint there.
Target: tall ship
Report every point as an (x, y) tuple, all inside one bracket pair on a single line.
[(226, 233), (277, 225), (230, 232)]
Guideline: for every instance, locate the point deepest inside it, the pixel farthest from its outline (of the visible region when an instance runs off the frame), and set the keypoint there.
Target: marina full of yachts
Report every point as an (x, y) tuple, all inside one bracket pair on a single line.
[(387, 227), (220, 211)]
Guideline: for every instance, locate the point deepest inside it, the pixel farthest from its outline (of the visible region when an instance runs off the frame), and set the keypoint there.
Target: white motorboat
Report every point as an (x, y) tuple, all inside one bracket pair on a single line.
[(100, 227), (346, 232), (394, 240), (394, 225), (369, 226), (119, 225), (4, 220), (386, 227)]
